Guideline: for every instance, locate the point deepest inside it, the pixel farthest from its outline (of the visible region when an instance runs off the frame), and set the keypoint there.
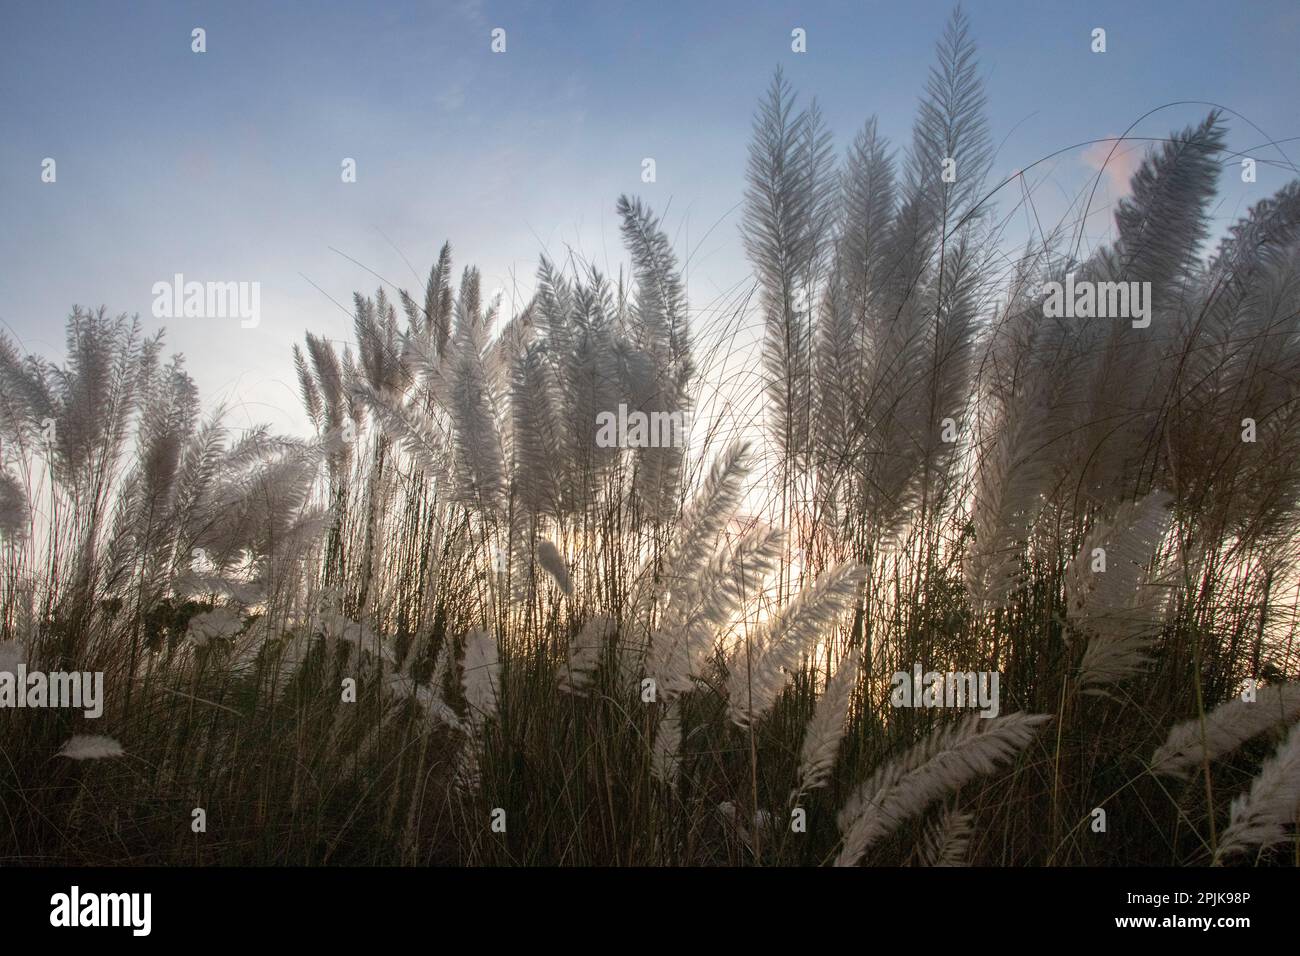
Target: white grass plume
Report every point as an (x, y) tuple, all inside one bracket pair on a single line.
[(428, 697), (579, 670), (1121, 607), (826, 727), (789, 209), (1261, 816), (338, 627), (1227, 727), (946, 841), (698, 610), (480, 675), (14, 512), (698, 528), (218, 624), (441, 667), (666, 757), (951, 757), (552, 562), (537, 434), (91, 747), (480, 468), (758, 678), (468, 774), (1009, 485), (407, 424)]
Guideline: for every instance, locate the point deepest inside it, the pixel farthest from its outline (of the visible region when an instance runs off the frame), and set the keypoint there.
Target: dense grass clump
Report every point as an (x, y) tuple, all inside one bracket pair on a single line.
[(451, 626)]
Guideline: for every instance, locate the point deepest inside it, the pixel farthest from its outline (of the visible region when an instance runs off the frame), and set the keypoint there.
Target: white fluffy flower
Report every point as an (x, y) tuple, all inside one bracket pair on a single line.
[(90, 747), (220, 623)]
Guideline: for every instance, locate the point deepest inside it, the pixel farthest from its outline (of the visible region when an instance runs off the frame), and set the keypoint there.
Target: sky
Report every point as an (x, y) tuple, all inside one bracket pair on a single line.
[(226, 165)]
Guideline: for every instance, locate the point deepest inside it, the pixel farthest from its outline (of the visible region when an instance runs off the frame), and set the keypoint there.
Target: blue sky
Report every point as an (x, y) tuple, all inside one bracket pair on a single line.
[(225, 165)]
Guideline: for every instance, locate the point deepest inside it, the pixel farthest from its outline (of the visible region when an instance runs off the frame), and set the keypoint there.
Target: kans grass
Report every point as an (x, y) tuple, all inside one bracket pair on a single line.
[(453, 627)]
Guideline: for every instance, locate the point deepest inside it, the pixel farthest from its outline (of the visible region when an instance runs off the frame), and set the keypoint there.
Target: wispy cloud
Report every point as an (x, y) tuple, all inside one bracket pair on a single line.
[(1117, 161)]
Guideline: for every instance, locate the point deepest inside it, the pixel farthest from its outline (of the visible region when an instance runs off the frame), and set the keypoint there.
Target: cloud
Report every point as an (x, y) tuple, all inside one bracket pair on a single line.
[(1118, 166)]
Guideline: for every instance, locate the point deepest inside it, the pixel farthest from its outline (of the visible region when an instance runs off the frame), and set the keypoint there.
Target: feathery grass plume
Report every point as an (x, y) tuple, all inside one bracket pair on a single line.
[(660, 328), (428, 697), (932, 286), (1163, 221), (469, 771), (698, 610), (590, 383), (14, 513), (789, 210), (409, 425), (1260, 817), (537, 438), (827, 726), (516, 336), (264, 490), (1251, 249), (702, 521), (957, 297), (946, 841), (441, 667), (1121, 607), (695, 535), (143, 544), (218, 624), (480, 677), (552, 562), (90, 747), (479, 469), (200, 463), (1225, 729), (328, 384), (378, 346), (951, 757), (467, 311), (98, 391), (951, 124), (26, 397), (336, 626), (838, 378), (762, 670), (311, 398), (1271, 223), (1161, 226), (554, 307), (665, 761), (578, 671), (867, 200), (1011, 481), (660, 311), (437, 300)]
